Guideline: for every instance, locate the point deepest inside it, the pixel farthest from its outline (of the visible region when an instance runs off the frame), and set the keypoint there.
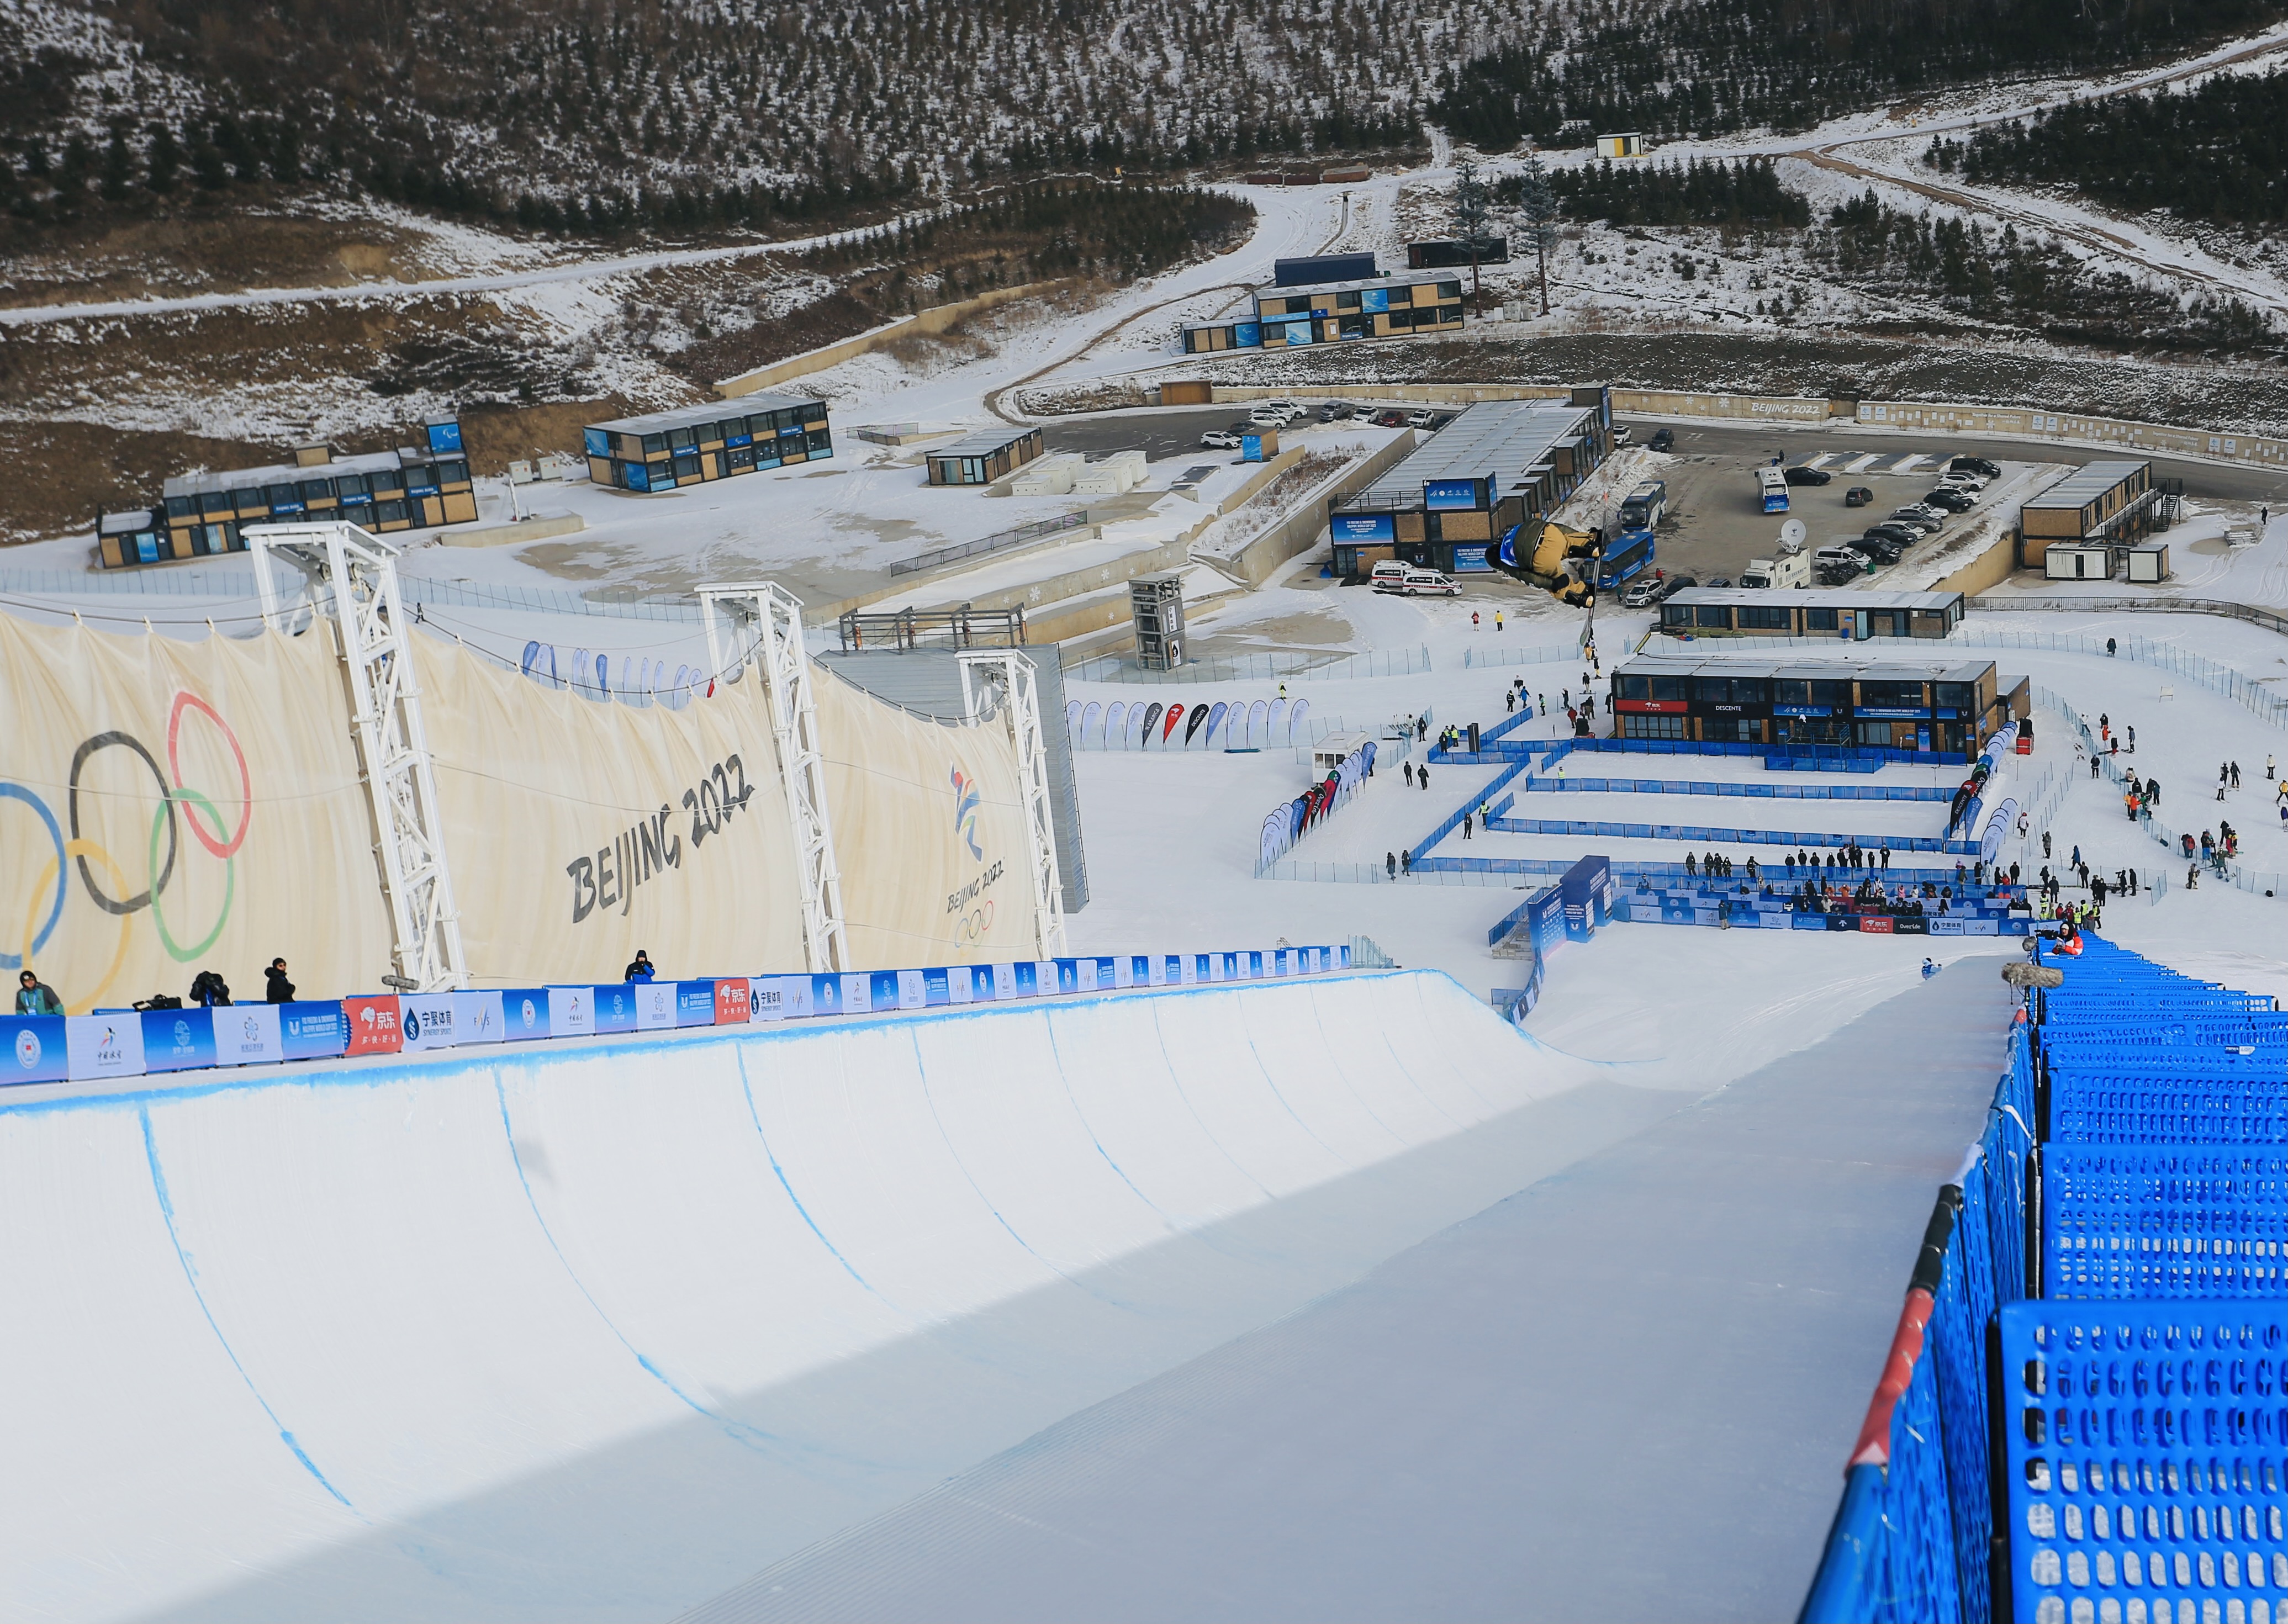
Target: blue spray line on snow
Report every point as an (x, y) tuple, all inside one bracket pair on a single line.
[(754, 1437), (191, 1276)]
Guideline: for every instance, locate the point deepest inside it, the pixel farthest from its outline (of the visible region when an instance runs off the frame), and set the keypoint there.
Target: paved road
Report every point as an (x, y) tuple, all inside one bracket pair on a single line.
[(1624, 1393), (1171, 431)]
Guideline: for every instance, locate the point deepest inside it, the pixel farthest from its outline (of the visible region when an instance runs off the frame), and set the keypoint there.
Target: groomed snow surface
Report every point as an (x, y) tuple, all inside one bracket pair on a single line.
[(604, 1332)]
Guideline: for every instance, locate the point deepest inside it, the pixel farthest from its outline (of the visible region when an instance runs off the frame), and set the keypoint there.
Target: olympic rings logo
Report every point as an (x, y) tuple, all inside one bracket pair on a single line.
[(212, 832), (976, 923)]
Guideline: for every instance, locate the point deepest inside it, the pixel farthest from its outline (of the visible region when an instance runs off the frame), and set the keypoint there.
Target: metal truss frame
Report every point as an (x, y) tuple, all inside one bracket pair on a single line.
[(1020, 702), (763, 620), (353, 577)]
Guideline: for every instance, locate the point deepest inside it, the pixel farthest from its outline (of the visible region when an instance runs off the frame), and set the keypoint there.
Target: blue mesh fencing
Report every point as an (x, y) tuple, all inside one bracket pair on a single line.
[(1724, 836), (2144, 1461), (2164, 1221), (1753, 792)]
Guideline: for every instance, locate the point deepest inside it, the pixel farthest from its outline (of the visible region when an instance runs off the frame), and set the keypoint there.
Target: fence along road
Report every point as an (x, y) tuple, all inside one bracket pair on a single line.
[(602, 1332)]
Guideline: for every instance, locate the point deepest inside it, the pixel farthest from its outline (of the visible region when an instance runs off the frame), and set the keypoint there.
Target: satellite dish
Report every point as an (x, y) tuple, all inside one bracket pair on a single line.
[(1791, 535)]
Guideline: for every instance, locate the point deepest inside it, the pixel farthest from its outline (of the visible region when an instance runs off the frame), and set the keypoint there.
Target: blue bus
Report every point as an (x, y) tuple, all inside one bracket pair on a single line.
[(1627, 554), (1773, 484)]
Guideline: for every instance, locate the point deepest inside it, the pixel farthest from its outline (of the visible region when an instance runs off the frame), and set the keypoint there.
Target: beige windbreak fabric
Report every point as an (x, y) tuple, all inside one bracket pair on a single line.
[(168, 807), (579, 831), (929, 828)]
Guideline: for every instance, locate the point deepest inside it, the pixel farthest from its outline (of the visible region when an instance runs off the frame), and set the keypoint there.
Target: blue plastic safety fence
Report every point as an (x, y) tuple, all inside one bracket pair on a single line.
[(2144, 1445), (2164, 1221)]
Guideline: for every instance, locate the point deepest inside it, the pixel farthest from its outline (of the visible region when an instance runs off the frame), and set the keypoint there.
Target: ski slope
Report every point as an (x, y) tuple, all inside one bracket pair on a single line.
[(600, 1332)]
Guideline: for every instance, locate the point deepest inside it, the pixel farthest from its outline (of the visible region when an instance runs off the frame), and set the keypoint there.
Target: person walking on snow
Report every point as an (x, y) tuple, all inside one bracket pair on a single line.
[(2235, 775), (2132, 731), (1390, 864)]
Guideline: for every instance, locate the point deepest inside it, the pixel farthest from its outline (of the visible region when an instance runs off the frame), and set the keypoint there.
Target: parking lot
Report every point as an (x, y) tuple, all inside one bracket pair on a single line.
[(1716, 522)]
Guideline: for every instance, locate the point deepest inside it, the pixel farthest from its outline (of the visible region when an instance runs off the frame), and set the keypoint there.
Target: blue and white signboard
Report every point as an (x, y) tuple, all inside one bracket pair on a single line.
[(428, 1019), (1374, 299), (312, 1028), (479, 1018), (1299, 332), (249, 1035), (35, 1051), (655, 1002), (104, 1045), (176, 1039), (1247, 335), (444, 437), (1450, 496), (1364, 527), (571, 1011), (1471, 560)]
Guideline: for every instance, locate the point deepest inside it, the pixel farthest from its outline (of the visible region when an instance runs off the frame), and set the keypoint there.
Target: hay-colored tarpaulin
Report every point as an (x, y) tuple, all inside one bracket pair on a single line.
[(929, 827), (197, 805), (580, 831), (168, 807)]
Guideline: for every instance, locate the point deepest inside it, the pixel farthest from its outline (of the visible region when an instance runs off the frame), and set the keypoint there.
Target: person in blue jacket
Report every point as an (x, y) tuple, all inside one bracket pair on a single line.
[(639, 968)]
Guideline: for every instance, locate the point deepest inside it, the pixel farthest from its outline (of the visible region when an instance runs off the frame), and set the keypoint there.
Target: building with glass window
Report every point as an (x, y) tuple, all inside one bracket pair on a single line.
[(691, 445), (201, 515), (1496, 465), (984, 457), (1401, 306), (1942, 706), (1746, 612)]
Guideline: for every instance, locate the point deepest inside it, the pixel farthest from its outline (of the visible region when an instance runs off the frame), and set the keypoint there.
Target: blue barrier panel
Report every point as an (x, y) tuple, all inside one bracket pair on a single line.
[(2143, 1456), (35, 1051), (2164, 1221), (313, 1030), (178, 1039)]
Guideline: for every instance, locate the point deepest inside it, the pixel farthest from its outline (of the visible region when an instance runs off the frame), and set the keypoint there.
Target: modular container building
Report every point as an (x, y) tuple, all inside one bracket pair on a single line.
[(1717, 612), (1311, 269), (201, 515), (694, 444), (1391, 307), (2099, 504), (1948, 705), (1499, 464), (1622, 144), (984, 457), (1447, 252)]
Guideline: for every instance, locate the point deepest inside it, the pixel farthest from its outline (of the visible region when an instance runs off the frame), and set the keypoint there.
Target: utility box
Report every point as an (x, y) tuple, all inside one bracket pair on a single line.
[(1258, 445), (1157, 604), (2065, 562), (2148, 561)]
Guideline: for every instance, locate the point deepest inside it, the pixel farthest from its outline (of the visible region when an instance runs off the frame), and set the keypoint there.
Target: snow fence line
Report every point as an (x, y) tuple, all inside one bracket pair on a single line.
[(114, 1043), (2124, 1079)]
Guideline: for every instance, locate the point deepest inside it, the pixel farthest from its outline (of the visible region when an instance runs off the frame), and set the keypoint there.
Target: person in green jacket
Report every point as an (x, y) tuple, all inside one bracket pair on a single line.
[(35, 997)]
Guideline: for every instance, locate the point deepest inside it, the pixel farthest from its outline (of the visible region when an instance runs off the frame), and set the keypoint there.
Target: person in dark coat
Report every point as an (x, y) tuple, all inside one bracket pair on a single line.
[(639, 968), (280, 990), (35, 997)]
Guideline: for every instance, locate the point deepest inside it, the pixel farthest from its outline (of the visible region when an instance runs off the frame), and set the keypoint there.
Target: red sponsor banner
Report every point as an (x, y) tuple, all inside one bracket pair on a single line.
[(1879, 923), (1656, 707), (375, 1026), (731, 1005)]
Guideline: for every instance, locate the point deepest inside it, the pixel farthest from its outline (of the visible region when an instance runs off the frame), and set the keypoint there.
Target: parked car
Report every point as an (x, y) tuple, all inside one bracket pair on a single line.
[(1807, 476), (1924, 509), (1439, 420), (1263, 419), (1219, 440), (1674, 584), (1953, 501), (1719, 581), (1390, 420), (1420, 420), (1857, 497), (1963, 482), (1421, 582), (1622, 435), (1662, 439), (1976, 465), (1336, 411), (1922, 524), (1642, 592), (1906, 534)]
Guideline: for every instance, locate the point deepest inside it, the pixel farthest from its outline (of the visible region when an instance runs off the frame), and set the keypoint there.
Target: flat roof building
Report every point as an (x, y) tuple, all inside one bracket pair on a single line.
[(1399, 306), (691, 445), (984, 457), (1716, 612), (2111, 504), (200, 515), (1908, 705), (1496, 465)]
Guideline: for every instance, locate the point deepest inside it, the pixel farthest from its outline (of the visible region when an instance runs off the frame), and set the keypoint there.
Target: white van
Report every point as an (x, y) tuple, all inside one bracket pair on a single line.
[(1389, 572), (1416, 582), (1790, 570)]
